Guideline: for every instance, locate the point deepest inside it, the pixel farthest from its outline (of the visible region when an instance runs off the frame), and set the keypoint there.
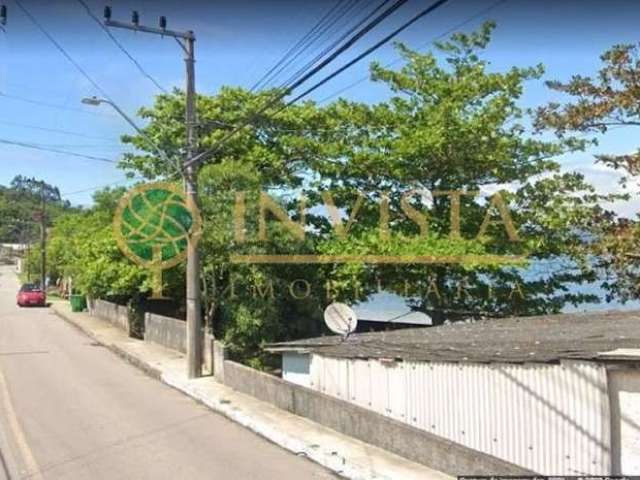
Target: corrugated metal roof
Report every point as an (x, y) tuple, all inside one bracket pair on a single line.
[(546, 338)]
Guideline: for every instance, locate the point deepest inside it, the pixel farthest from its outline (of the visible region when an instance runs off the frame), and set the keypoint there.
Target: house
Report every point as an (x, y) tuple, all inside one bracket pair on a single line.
[(14, 248), (557, 394)]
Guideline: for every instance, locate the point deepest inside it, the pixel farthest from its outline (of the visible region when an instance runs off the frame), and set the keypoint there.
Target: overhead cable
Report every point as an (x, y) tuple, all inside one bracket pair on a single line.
[(122, 47)]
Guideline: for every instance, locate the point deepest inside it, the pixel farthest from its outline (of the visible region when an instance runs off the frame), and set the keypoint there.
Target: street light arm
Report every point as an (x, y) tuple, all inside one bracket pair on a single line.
[(129, 120)]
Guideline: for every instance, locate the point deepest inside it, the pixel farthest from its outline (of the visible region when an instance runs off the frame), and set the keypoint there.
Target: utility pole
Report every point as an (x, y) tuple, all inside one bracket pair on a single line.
[(27, 261), (194, 307), (194, 313), (43, 239)]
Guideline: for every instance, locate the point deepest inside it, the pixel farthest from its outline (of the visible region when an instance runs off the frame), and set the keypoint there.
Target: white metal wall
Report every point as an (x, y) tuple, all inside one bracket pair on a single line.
[(552, 419), (624, 394)]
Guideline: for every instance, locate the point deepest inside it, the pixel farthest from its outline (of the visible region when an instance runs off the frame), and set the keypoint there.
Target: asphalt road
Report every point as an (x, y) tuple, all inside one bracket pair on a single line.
[(72, 409)]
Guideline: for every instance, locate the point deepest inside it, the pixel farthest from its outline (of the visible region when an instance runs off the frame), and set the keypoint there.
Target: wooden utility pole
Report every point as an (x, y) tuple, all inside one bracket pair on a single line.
[(190, 173)]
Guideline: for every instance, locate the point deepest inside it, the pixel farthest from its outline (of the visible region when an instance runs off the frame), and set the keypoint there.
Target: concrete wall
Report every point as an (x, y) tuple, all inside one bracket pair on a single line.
[(365, 425), (166, 331), (172, 333), (219, 354), (624, 391), (118, 315)]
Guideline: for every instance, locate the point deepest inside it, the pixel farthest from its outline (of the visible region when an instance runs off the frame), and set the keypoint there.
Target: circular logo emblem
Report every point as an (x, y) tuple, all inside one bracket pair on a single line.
[(154, 225)]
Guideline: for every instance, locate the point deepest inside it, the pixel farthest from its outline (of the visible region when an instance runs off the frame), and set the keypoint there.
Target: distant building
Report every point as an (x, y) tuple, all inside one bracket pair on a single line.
[(382, 322), (559, 395), (15, 248)]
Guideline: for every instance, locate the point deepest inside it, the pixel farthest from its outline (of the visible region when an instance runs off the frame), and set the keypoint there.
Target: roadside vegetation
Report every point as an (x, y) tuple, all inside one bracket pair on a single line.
[(451, 123)]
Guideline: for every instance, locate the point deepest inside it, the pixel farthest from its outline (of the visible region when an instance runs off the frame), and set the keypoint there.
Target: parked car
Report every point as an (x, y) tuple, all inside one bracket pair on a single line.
[(30, 294)]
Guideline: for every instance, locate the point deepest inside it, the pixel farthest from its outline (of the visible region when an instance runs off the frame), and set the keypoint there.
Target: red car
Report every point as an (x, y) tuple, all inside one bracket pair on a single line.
[(30, 294)]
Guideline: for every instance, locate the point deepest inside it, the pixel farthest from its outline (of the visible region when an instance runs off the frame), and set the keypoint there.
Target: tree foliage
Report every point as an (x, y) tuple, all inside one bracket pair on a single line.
[(82, 246), (451, 124), (596, 105), (454, 124), (20, 204)]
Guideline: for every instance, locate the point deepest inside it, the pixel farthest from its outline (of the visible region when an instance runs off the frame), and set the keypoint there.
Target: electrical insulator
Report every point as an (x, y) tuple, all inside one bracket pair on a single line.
[(163, 23), (135, 18), (107, 13)]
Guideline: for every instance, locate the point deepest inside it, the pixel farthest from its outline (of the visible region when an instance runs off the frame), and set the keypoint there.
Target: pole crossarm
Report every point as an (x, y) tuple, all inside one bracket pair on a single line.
[(158, 31)]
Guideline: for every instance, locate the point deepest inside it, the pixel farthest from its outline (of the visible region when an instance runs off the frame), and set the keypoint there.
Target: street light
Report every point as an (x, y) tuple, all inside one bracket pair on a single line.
[(95, 101), (3, 17)]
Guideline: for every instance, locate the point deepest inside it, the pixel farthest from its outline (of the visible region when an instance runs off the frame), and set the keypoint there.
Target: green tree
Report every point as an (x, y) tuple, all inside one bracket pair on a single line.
[(596, 105), (455, 124), (21, 201), (82, 246), (272, 154), (451, 124)]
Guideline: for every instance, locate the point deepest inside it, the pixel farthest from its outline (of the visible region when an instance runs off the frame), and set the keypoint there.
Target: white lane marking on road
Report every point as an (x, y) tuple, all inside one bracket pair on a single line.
[(18, 434)]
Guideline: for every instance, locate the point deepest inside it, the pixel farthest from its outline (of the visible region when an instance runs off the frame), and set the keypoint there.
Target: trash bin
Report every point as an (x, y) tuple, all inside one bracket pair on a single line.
[(78, 303)]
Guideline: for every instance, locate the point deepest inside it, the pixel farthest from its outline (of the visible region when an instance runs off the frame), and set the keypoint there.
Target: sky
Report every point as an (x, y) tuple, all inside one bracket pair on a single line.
[(237, 42)]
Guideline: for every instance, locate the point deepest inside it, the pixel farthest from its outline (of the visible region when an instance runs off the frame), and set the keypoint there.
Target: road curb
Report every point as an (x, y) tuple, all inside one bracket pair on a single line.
[(325, 454), (334, 464), (129, 358)]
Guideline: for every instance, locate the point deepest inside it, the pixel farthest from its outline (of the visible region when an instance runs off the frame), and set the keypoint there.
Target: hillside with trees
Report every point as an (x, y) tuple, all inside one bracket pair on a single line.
[(20, 204)]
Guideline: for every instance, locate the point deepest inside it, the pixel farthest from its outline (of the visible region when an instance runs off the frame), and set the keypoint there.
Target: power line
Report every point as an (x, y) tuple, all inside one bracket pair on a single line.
[(55, 150), (55, 130), (370, 50), (344, 47), (337, 42), (348, 44), (99, 187), (77, 67), (53, 105), (459, 25), (394, 62), (83, 145), (327, 30), (299, 45), (61, 49), (121, 47)]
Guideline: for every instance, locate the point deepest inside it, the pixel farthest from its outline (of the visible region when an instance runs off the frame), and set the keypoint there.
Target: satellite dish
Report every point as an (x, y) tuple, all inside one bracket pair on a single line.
[(340, 319)]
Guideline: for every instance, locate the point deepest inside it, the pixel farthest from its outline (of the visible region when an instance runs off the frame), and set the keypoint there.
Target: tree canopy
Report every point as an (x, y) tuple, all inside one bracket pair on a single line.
[(447, 166), (595, 106), (20, 203)]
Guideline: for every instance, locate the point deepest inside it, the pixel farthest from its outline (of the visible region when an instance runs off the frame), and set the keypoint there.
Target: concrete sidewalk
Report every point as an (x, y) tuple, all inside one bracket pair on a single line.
[(339, 453)]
